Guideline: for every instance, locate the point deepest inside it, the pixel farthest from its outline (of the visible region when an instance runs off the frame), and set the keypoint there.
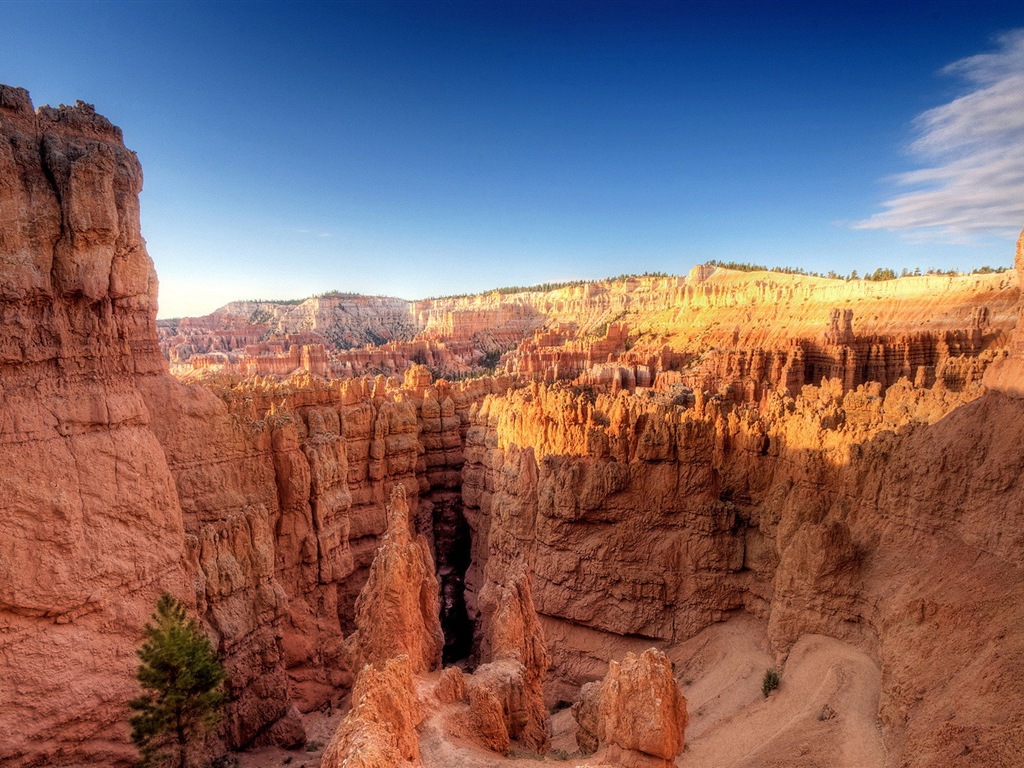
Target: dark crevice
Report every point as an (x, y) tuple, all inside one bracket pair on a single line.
[(452, 550)]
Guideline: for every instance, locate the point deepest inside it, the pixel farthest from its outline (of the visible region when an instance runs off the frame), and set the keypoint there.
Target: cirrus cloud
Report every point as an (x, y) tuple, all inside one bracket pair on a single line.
[(972, 182)]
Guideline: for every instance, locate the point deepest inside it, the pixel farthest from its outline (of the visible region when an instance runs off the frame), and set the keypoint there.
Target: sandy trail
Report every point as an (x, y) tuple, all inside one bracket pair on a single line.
[(824, 712)]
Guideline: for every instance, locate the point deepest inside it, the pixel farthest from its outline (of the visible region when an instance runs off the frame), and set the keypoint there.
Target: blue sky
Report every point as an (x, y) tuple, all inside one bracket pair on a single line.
[(417, 149)]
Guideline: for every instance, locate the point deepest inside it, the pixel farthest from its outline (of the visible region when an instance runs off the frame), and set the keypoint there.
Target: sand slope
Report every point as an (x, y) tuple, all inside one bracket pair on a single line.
[(824, 712)]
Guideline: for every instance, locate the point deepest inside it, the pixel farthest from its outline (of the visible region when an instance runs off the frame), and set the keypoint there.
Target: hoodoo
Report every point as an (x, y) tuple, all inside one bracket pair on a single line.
[(642, 714), (448, 520), (398, 611)]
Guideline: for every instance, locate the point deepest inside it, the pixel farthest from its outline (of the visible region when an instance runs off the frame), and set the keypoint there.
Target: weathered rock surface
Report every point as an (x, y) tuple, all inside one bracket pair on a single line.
[(642, 714), (503, 702), (817, 513), (380, 729), (830, 473), (586, 711), (261, 507), (518, 662), (398, 612), (636, 713), (91, 529)]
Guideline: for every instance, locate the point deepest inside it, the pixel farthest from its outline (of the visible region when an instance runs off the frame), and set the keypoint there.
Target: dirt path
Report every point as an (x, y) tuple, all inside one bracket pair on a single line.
[(824, 712)]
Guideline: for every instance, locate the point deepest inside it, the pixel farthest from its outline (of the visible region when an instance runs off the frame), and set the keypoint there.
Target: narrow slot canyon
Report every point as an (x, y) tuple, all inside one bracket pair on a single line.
[(452, 553)]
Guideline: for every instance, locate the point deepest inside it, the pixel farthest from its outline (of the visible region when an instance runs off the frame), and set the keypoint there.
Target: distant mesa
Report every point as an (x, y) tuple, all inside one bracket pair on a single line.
[(650, 331)]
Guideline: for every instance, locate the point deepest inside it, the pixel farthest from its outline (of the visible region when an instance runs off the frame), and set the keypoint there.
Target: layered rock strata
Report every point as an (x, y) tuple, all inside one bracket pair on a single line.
[(741, 334), (91, 528)]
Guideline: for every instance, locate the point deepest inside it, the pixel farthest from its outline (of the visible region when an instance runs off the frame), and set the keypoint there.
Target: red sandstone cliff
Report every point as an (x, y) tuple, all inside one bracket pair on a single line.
[(261, 507), (90, 523)]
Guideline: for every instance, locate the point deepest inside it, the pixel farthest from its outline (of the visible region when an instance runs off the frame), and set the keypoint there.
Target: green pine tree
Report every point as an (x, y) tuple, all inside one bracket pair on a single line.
[(183, 688)]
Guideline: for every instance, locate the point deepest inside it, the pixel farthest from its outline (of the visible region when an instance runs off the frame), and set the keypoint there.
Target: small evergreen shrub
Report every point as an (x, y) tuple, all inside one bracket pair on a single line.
[(769, 682), (182, 680)]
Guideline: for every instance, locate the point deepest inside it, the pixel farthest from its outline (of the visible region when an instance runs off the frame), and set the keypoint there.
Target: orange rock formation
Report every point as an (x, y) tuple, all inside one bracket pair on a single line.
[(398, 613), (518, 663), (815, 513), (380, 729), (642, 713)]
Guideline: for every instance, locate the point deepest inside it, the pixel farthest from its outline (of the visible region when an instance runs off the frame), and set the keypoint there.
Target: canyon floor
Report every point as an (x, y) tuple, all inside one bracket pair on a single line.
[(824, 713)]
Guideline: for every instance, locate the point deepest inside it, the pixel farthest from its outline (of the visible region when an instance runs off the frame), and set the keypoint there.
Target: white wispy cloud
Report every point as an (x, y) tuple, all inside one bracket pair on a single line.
[(972, 148)]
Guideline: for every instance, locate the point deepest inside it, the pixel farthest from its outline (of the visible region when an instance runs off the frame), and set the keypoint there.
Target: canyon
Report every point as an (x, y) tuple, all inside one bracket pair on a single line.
[(485, 527)]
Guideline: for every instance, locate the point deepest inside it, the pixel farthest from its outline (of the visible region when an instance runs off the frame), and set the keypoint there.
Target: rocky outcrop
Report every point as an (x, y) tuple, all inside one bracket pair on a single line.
[(91, 529), (642, 714), (637, 714), (503, 702), (577, 488), (644, 517), (380, 729), (398, 611), (586, 711), (1008, 375), (512, 682)]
